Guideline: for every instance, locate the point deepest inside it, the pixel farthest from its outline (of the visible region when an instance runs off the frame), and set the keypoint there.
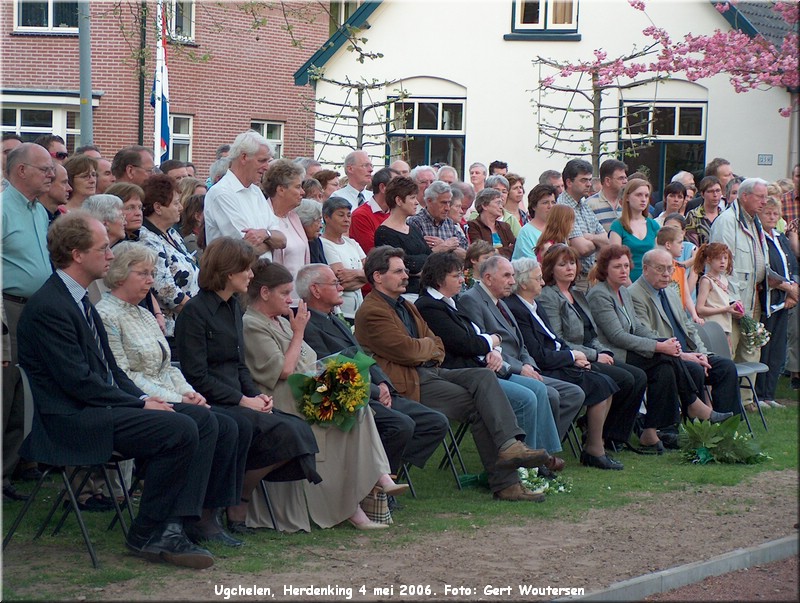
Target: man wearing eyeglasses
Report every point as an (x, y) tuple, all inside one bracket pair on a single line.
[(659, 308), (133, 164), (358, 169), (26, 266)]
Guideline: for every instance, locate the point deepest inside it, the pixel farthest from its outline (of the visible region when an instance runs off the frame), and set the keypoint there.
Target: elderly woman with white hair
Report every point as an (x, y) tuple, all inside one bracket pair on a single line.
[(345, 256), (310, 213), (557, 360), (107, 209), (141, 350)]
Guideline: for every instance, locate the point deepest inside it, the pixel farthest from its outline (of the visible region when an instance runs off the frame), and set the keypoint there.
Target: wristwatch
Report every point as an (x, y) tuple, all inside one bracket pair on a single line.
[(268, 237)]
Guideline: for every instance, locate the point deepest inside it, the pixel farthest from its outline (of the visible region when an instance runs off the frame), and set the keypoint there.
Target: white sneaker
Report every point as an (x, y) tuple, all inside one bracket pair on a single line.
[(763, 404), (774, 404)]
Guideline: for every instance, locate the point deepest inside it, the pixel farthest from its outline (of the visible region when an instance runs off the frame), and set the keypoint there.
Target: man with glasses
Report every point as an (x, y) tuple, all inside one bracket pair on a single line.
[(26, 266), (588, 236), (410, 432), (133, 164), (605, 204), (358, 169), (659, 308)]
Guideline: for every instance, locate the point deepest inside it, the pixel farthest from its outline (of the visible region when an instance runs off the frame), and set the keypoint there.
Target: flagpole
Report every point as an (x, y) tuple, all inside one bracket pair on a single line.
[(160, 96)]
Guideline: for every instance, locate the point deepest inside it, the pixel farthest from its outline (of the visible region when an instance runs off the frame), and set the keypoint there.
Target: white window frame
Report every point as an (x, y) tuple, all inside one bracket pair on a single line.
[(172, 13), (546, 24), (650, 106), (49, 27), (416, 101), (181, 139), (260, 126), (59, 105)]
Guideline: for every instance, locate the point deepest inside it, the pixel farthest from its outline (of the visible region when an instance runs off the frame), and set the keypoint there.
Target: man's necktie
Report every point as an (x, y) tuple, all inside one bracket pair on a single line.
[(505, 314), (87, 311), (360, 198), (677, 329)]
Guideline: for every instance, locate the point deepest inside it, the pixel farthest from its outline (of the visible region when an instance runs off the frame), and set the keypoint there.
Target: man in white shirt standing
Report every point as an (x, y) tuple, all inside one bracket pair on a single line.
[(235, 206), (358, 169)]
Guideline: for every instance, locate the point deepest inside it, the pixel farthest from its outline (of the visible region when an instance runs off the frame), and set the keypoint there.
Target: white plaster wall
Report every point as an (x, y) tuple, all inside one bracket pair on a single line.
[(462, 43)]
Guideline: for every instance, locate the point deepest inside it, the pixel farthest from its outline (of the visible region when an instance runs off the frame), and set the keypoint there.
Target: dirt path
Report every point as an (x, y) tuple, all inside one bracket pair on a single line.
[(660, 531)]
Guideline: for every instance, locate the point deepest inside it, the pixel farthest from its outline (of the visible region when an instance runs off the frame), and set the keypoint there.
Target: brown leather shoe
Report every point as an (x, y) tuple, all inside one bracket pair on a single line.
[(517, 492), (519, 455), (555, 463)]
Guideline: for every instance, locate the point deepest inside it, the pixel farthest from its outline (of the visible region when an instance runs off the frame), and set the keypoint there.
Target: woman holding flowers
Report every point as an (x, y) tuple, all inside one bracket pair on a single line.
[(352, 462)]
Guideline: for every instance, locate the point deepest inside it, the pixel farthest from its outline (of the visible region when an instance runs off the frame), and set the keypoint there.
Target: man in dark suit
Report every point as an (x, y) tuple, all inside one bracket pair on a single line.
[(410, 432), (485, 307), (410, 354), (87, 408)]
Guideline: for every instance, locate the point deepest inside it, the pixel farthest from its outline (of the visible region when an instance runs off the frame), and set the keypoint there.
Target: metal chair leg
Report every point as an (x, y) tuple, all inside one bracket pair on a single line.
[(269, 505), (20, 516)]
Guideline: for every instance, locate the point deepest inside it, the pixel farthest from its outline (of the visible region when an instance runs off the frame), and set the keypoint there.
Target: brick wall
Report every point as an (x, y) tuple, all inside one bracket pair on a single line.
[(248, 75)]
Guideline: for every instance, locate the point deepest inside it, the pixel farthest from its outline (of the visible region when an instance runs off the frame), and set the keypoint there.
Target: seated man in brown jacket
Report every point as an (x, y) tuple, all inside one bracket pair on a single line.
[(410, 354)]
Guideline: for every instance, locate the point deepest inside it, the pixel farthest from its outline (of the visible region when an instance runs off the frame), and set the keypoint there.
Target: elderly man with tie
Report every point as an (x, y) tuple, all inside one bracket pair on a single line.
[(658, 307), (410, 432), (485, 307)]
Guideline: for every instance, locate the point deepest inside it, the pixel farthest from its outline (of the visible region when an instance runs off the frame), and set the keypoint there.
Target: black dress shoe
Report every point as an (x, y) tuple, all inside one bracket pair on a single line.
[(93, 504), (600, 462), (670, 440), (31, 474), (544, 472), (10, 493), (170, 545), (220, 536), (657, 448), (239, 527)]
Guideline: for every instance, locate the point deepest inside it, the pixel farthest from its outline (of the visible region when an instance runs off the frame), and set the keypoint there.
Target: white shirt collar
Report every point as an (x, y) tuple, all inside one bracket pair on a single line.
[(436, 295)]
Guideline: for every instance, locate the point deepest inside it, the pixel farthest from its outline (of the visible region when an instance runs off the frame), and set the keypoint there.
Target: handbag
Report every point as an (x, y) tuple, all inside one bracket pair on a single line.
[(376, 506)]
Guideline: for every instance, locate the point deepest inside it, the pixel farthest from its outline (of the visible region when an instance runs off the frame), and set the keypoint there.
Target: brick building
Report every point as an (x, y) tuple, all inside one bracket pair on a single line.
[(226, 76)]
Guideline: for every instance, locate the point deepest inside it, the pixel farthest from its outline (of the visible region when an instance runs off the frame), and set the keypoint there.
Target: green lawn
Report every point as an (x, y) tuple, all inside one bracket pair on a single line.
[(59, 567)]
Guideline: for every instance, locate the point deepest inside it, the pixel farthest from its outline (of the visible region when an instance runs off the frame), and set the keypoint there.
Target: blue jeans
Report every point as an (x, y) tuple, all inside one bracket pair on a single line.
[(529, 401)]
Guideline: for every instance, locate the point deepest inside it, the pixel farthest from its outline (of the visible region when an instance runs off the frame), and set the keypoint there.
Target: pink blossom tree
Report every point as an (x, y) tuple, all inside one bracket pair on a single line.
[(750, 63)]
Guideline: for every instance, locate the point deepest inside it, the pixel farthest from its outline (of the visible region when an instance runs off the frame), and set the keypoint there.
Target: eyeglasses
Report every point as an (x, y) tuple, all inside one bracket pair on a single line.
[(87, 175), (145, 273), (45, 170), (59, 155), (661, 269), (105, 249), (131, 208), (336, 283), (152, 170)]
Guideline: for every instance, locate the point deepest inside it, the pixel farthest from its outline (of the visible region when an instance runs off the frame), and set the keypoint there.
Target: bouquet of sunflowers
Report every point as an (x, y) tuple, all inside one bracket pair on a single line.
[(337, 391)]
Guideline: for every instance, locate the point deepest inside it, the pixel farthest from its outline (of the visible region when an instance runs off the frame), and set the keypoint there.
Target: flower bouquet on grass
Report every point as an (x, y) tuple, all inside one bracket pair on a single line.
[(704, 442), (531, 479), (336, 392), (754, 333)]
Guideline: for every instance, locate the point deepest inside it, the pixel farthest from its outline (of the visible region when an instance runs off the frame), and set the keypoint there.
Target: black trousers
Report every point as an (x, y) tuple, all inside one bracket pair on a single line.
[(725, 396), (177, 450), (669, 386), (632, 382), (410, 432)]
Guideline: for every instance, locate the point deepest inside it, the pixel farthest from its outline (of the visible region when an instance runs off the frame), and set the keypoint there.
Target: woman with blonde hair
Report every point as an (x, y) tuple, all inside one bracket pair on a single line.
[(635, 228), (560, 222), (189, 187)]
